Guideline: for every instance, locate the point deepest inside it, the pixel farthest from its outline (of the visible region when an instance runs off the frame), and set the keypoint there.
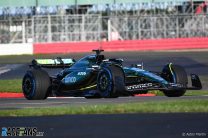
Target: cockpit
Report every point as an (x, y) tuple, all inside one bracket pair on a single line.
[(88, 61)]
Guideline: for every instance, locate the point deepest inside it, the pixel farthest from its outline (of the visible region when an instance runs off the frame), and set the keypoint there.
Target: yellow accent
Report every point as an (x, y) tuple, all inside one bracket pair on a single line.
[(88, 87), (170, 68), (174, 79)]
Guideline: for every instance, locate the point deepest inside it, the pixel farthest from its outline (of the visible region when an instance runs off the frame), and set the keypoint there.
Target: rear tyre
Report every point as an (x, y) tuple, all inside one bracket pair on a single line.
[(36, 84), (175, 74), (111, 81)]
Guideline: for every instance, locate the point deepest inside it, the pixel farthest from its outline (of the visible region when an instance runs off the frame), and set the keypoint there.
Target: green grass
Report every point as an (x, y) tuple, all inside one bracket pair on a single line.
[(143, 107), (188, 93), (14, 85), (195, 93)]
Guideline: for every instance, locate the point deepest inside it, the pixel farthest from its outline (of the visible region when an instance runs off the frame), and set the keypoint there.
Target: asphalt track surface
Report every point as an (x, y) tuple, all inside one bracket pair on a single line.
[(173, 125), (20, 103), (118, 125)]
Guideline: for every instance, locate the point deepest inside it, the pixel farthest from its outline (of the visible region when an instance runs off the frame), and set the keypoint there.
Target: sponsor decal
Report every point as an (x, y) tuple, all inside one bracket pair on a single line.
[(81, 73), (70, 79), (176, 85), (20, 131), (139, 86), (54, 61), (45, 61)]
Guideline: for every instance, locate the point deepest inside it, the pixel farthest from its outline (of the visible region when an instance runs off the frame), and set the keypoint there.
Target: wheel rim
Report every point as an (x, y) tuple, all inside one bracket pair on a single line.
[(28, 86), (104, 82)]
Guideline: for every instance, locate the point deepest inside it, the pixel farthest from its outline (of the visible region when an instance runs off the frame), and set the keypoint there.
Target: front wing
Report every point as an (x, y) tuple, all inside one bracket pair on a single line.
[(196, 85)]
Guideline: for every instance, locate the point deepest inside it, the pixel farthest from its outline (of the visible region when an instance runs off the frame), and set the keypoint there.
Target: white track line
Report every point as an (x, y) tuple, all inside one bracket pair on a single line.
[(66, 97), (8, 67), (48, 103), (2, 71)]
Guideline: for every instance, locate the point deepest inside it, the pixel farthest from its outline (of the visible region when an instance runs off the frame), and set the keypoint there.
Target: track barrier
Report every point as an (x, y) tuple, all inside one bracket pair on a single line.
[(16, 49), (126, 45)]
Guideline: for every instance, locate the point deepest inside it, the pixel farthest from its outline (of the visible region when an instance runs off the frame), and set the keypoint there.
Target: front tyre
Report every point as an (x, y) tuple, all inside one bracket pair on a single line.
[(36, 84), (110, 81), (175, 74)]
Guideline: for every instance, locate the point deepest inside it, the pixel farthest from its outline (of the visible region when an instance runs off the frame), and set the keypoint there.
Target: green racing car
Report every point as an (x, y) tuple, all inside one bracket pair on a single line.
[(94, 76)]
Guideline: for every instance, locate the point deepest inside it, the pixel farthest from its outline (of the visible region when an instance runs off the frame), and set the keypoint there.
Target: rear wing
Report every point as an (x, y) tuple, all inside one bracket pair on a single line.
[(53, 63)]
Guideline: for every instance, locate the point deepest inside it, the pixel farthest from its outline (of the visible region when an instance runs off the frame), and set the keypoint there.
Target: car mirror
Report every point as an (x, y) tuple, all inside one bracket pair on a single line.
[(95, 66), (140, 66)]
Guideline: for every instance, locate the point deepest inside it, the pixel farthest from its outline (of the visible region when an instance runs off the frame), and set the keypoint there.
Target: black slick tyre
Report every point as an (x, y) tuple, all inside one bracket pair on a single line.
[(175, 74), (111, 81), (36, 84)]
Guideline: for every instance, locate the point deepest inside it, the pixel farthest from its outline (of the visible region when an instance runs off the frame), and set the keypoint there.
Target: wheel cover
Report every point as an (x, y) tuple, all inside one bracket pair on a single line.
[(103, 82), (28, 86)]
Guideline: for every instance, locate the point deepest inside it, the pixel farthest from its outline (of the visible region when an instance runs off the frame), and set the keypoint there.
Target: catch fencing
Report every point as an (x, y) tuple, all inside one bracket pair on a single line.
[(95, 27)]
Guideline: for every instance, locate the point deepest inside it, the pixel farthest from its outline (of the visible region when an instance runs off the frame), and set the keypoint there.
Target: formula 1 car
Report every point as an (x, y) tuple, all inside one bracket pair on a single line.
[(94, 76)]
